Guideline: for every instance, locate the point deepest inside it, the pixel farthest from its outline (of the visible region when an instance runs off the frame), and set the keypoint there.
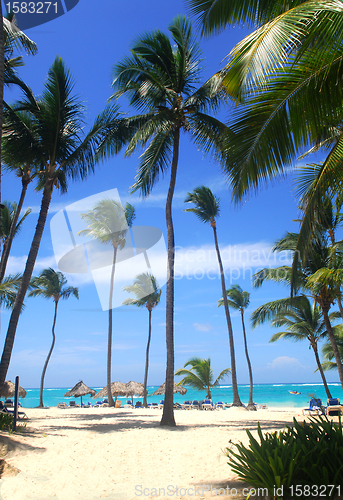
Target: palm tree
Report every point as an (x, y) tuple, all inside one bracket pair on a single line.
[(237, 299), (10, 225), (148, 294), (50, 138), (108, 222), (323, 292), (279, 71), (328, 352), (8, 290), (51, 285), (200, 375), (207, 209), (302, 320), (160, 79)]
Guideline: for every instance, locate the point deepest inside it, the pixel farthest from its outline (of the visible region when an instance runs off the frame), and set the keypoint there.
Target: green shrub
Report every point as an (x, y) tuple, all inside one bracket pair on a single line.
[(6, 421), (303, 461)]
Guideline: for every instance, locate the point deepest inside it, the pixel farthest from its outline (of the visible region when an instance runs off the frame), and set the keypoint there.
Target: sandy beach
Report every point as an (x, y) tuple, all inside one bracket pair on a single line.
[(124, 454)]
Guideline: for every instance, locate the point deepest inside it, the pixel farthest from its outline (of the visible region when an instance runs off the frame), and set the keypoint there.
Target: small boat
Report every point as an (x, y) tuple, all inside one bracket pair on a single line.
[(294, 392)]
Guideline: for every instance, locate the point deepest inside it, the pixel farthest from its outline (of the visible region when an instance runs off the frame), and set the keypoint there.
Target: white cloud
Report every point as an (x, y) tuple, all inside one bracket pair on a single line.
[(283, 362), (202, 327)]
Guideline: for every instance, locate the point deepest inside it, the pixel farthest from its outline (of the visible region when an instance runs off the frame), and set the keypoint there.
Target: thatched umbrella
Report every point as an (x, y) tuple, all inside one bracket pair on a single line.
[(80, 389), (177, 388), (117, 389), (134, 389), (8, 388)]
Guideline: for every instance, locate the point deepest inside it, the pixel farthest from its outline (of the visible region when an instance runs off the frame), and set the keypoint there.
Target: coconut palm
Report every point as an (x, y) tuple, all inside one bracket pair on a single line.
[(302, 320), (207, 209), (160, 79), (108, 223), (148, 294), (50, 285), (47, 132), (10, 225), (237, 299), (8, 290), (323, 292), (200, 375)]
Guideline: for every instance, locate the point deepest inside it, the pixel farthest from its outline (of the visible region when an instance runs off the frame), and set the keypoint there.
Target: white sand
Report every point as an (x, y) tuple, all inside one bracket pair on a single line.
[(124, 454)]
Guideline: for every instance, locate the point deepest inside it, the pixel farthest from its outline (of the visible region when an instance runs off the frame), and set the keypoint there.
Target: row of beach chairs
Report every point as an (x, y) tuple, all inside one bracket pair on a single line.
[(332, 409)]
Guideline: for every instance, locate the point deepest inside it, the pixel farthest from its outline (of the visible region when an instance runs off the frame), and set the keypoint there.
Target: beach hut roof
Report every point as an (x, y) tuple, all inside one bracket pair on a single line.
[(177, 388), (8, 388), (80, 389), (134, 388), (117, 389)]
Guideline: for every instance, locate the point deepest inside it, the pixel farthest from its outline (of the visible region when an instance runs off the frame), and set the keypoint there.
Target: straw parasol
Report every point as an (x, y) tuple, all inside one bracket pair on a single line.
[(134, 388), (80, 389), (8, 388), (177, 388), (117, 389)]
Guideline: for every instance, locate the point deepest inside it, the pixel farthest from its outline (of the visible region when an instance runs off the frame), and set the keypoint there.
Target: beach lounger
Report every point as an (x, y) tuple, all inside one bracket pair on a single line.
[(220, 405), (9, 403), (72, 404), (187, 405), (139, 404), (315, 407), (177, 406), (21, 414), (153, 406), (128, 404), (207, 404), (161, 404), (196, 405), (333, 408), (62, 405)]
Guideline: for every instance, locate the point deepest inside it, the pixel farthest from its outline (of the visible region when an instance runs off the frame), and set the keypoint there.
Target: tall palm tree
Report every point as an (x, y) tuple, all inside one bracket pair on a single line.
[(160, 79), (10, 225), (8, 290), (207, 209), (328, 352), (51, 139), (323, 292), (50, 285), (237, 299), (302, 319), (200, 375), (148, 294), (108, 223)]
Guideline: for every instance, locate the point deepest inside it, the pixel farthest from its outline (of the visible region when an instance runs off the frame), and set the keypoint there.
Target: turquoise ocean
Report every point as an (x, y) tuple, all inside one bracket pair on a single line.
[(273, 395)]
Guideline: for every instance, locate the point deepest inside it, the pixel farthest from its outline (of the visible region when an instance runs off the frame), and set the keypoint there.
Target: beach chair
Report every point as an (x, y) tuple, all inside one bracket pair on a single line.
[(315, 407), (3, 409), (9, 403), (220, 405), (139, 404), (207, 404), (72, 404), (333, 408), (187, 405), (177, 406), (62, 406), (196, 405), (117, 404), (161, 405), (153, 406)]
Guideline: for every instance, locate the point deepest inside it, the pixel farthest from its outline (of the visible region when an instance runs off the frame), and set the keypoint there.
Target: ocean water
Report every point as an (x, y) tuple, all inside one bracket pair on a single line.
[(273, 395)]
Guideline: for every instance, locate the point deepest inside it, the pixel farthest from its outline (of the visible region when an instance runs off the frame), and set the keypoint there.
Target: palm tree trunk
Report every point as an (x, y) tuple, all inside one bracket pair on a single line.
[(30, 262), (315, 350), (41, 405), (9, 241), (168, 407), (236, 399), (340, 307), (251, 405), (333, 344), (109, 345), (1, 84), (145, 404)]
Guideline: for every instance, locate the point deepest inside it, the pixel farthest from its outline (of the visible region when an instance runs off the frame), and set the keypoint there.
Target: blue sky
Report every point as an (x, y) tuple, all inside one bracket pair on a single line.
[(91, 40)]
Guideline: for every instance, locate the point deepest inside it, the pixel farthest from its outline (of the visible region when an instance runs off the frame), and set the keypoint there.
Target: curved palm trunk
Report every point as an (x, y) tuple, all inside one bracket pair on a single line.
[(9, 241), (315, 350), (168, 407), (145, 403), (340, 307), (236, 399), (251, 405), (30, 262), (41, 405), (109, 344), (333, 343)]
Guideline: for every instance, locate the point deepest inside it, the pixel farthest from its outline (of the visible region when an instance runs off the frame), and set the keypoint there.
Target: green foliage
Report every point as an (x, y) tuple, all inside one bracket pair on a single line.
[(6, 421), (305, 454)]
